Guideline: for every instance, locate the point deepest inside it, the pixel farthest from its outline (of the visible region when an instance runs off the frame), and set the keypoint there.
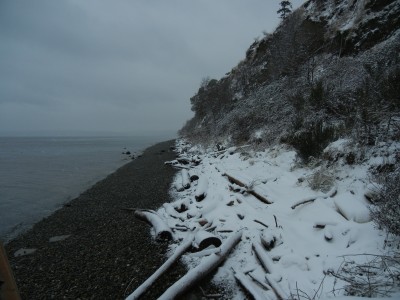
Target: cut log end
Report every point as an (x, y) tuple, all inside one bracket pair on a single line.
[(162, 230), (200, 197), (212, 241), (164, 236)]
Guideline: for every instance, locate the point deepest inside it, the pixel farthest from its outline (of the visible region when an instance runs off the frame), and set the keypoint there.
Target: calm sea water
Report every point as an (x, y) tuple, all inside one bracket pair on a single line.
[(38, 175)]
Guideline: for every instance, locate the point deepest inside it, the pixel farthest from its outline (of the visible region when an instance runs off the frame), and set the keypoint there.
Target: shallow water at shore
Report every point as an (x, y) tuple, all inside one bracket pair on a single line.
[(38, 175), (105, 252)]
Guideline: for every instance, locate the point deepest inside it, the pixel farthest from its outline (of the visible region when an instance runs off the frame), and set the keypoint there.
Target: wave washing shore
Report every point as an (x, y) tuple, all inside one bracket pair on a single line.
[(39, 174), (93, 248)]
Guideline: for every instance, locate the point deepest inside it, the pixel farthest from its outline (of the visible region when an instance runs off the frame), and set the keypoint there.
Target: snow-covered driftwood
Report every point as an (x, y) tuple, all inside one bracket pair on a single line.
[(178, 186), (332, 193), (185, 179), (162, 230), (177, 254), (322, 224), (170, 210), (174, 163), (352, 210), (279, 292), (248, 285), (264, 258), (202, 187), (204, 268), (183, 160), (260, 280), (193, 176), (204, 239), (255, 191), (268, 240)]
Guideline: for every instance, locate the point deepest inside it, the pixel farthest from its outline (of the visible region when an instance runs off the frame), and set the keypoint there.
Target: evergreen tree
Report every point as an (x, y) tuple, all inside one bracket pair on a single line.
[(285, 10)]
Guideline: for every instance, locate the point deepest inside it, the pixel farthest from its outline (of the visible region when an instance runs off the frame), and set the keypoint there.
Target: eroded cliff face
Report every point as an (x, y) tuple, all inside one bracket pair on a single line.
[(319, 75), (357, 25)]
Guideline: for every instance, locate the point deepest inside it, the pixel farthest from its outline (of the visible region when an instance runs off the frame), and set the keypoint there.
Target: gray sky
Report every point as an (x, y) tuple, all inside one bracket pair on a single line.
[(112, 66)]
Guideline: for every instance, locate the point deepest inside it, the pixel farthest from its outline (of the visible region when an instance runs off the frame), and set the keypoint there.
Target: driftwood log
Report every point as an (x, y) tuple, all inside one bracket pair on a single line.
[(279, 292), (323, 224), (162, 230), (203, 269), (260, 280), (264, 258), (248, 285), (170, 261), (193, 176), (202, 187), (183, 160), (185, 179), (253, 192), (268, 240), (204, 239), (269, 266)]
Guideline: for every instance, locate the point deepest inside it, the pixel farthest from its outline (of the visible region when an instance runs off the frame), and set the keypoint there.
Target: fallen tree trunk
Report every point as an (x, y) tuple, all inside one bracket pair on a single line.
[(204, 268), (162, 230), (170, 261)]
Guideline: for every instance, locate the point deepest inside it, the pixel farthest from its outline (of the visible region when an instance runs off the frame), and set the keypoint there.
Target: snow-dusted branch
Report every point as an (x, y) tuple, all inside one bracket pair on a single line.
[(177, 254), (247, 284), (251, 191), (204, 268)]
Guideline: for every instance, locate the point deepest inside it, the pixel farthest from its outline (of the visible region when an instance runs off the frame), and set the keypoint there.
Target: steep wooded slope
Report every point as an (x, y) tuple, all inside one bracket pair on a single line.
[(330, 69)]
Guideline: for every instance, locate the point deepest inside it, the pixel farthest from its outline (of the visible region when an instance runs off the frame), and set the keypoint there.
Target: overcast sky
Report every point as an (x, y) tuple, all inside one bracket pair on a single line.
[(117, 66)]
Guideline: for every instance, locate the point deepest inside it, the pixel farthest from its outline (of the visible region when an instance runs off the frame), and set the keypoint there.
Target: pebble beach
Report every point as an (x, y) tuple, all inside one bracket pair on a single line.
[(93, 248)]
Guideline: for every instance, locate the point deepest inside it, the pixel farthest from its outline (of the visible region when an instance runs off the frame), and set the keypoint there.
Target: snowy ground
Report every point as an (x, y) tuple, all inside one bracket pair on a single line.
[(300, 244)]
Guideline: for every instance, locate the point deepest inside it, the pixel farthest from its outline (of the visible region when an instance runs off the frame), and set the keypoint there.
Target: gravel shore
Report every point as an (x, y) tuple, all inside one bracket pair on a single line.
[(108, 252)]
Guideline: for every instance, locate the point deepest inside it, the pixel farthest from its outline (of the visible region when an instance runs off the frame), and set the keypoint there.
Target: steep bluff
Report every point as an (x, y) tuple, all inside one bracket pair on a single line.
[(330, 69)]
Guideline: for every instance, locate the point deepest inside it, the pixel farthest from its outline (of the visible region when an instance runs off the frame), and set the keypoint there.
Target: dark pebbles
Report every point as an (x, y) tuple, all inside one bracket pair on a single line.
[(106, 253)]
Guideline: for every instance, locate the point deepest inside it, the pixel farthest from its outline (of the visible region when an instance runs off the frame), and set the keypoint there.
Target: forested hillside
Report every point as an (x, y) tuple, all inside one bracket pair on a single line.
[(298, 147), (331, 69)]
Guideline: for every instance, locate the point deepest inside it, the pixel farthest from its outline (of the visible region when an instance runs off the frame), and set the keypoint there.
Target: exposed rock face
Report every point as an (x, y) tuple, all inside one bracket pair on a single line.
[(357, 24)]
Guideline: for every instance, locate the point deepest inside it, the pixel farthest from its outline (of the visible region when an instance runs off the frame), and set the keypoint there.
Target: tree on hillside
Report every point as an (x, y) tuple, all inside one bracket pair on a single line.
[(285, 10)]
